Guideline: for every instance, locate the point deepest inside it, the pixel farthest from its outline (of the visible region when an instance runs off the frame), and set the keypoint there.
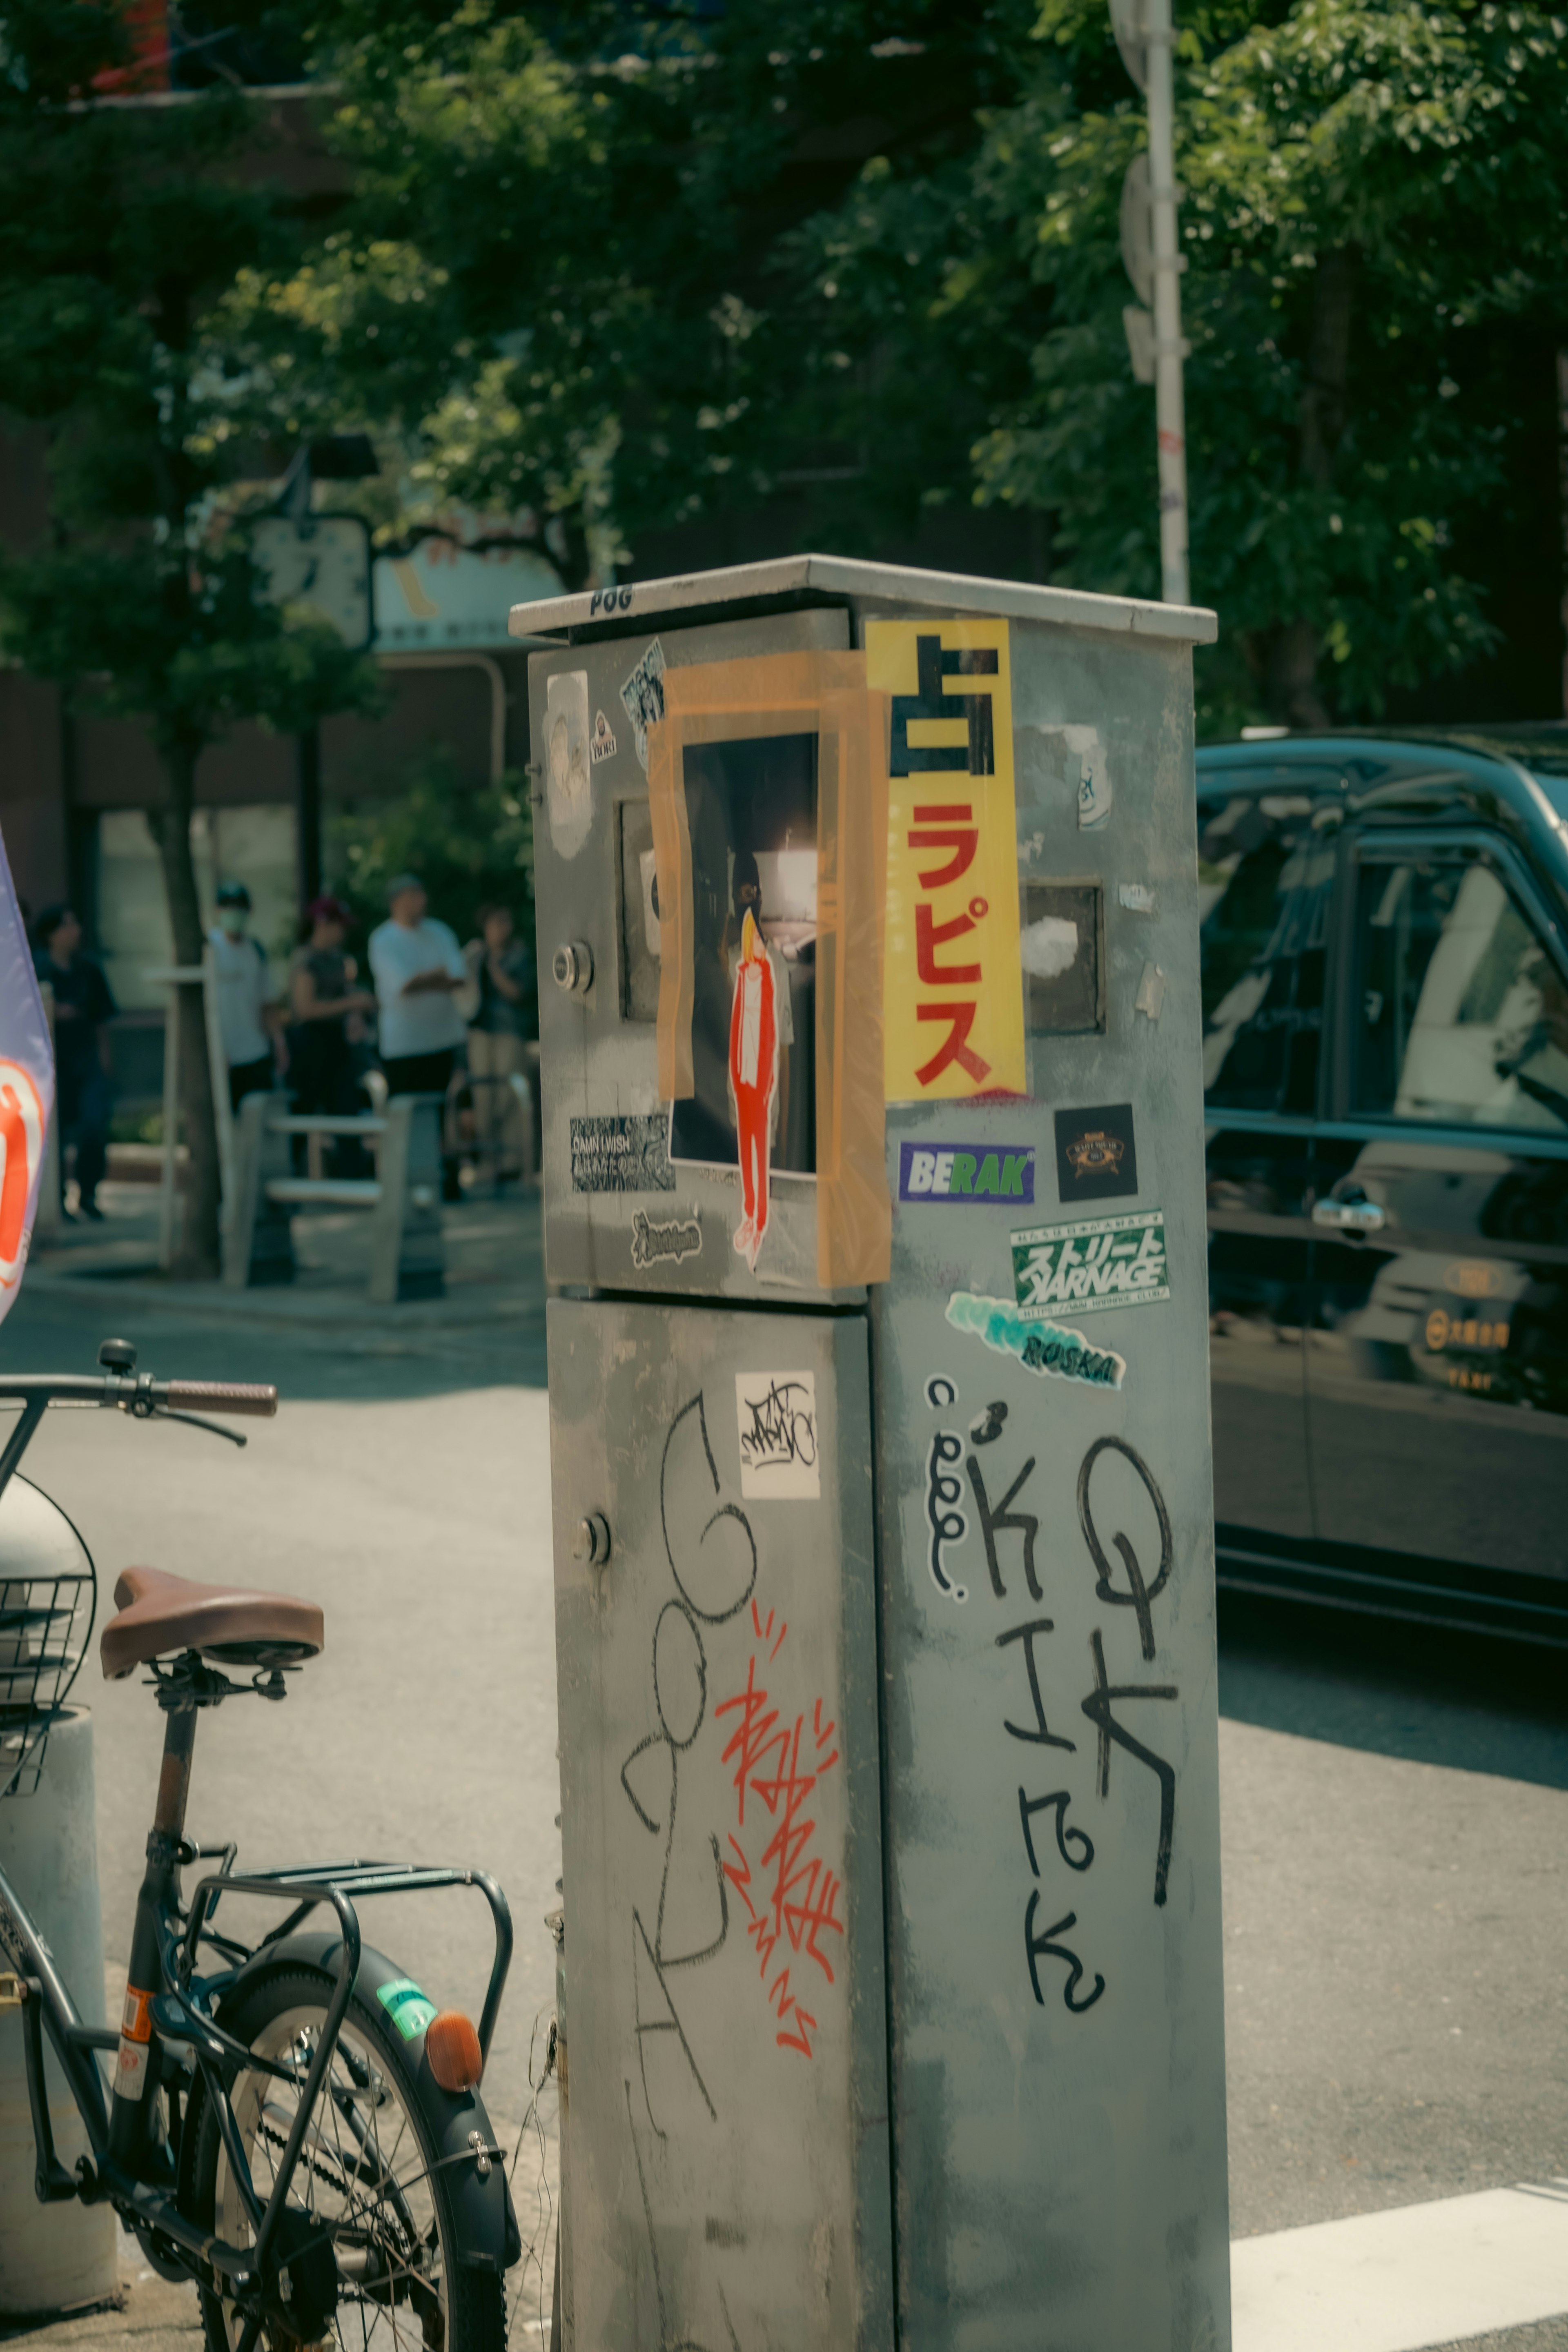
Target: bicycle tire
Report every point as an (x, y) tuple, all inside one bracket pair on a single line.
[(430, 2299)]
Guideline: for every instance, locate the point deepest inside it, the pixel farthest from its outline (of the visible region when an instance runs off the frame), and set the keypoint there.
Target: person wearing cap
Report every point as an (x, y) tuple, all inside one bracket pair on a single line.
[(249, 1015), (419, 969), (322, 1003)]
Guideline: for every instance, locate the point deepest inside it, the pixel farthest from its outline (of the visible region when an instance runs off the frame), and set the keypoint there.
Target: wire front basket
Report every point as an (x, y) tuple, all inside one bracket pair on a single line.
[(49, 1597)]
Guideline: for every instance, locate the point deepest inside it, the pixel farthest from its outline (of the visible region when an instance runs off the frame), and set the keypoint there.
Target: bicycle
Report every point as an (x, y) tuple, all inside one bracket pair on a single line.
[(291, 2124)]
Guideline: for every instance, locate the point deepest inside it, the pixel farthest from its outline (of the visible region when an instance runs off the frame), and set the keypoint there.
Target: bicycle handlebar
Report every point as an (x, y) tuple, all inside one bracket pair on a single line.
[(138, 1394), (222, 1396)]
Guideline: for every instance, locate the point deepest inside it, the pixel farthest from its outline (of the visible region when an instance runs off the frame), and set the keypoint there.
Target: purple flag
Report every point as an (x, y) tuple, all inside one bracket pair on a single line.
[(27, 1090)]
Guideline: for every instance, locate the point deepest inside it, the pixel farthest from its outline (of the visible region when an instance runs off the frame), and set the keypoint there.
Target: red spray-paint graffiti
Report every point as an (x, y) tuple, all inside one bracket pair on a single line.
[(792, 1901)]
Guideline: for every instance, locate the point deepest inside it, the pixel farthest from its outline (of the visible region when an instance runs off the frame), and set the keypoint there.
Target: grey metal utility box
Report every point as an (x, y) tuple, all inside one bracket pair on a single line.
[(892, 1995)]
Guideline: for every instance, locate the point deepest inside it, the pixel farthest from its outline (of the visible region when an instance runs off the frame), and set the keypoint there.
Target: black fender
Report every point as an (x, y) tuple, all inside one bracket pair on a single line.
[(465, 2146)]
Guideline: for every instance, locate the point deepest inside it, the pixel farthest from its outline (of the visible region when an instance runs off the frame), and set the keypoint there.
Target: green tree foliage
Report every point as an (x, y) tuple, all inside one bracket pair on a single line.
[(1375, 198), (126, 226), (469, 848), (627, 268)]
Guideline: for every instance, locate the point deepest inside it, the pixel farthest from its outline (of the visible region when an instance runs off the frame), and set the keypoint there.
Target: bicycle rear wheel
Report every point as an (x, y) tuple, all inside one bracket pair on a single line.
[(375, 2255)]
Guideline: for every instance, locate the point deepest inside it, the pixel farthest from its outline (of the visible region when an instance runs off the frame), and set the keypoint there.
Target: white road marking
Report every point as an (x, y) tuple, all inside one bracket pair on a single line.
[(1402, 2280)]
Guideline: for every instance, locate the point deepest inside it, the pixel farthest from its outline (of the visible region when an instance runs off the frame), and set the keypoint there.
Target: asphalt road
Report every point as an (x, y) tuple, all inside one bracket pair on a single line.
[(1395, 1802)]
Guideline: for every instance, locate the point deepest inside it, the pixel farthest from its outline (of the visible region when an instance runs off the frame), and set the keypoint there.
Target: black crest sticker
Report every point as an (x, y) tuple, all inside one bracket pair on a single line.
[(1097, 1158)]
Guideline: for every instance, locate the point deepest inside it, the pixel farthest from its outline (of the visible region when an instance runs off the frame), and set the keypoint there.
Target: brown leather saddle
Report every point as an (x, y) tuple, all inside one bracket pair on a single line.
[(160, 1613)]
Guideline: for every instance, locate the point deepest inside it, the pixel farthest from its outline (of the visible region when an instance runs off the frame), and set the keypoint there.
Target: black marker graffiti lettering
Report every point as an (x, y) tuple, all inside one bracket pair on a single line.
[(719, 1560), (652, 1245), (1060, 1799), (782, 1430), (1005, 1520), (1097, 1707), (940, 1392), (1043, 1735), (1037, 1948), (610, 600), (986, 1427), (948, 1525), (1138, 1595)]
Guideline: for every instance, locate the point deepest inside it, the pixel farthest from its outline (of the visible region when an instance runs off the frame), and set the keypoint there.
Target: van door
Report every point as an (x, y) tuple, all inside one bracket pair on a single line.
[(1438, 1368)]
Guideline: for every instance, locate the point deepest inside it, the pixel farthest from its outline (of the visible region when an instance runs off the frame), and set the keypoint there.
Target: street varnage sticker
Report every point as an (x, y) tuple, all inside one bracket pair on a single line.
[(969, 1173), (1097, 1154), (406, 2006), (621, 1155), (1043, 1348), (601, 743), (657, 1244), (1095, 1263), (643, 697), (776, 1413), (953, 991)]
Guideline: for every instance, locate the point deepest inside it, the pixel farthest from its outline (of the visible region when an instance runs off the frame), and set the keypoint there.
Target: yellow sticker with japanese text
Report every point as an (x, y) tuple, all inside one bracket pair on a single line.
[(953, 980)]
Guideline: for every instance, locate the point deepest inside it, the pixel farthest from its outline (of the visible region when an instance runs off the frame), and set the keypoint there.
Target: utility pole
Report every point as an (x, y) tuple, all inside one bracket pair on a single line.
[(1144, 35)]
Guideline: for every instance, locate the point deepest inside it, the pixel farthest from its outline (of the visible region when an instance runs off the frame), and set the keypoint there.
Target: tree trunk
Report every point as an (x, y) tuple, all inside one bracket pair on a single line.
[(1294, 699), (196, 1255)]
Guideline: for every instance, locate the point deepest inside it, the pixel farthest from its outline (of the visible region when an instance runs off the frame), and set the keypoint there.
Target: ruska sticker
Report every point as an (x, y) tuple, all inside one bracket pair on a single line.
[(1043, 1349), (971, 1172)]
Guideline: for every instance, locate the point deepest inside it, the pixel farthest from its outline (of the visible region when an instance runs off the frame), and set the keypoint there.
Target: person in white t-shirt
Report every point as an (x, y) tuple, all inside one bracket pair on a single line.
[(418, 969), (250, 1014)]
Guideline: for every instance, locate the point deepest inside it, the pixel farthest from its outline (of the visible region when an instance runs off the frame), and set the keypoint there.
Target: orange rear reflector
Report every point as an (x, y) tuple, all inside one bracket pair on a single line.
[(452, 2048)]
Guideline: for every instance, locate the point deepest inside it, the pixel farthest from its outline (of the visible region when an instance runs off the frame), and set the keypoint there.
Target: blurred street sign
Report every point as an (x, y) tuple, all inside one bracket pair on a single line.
[(1139, 326), (1127, 22), (1138, 230), (321, 562)]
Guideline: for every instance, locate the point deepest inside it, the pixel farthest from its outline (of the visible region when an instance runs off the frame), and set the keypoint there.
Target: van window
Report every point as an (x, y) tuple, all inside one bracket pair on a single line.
[(1265, 874), (1464, 1013)]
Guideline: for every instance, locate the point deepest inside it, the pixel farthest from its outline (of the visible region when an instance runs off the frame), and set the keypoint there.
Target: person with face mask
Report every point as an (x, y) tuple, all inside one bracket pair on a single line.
[(250, 1014)]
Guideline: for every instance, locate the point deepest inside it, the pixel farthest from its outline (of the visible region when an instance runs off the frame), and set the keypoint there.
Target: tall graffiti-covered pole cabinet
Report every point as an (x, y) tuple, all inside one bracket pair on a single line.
[(872, 1139)]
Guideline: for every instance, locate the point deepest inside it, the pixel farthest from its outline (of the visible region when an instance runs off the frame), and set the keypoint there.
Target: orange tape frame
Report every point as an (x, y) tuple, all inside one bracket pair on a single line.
[(792, 694)]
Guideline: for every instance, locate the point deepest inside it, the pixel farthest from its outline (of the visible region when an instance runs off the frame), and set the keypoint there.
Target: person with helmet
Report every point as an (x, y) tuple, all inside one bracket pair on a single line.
[(250, 1014)]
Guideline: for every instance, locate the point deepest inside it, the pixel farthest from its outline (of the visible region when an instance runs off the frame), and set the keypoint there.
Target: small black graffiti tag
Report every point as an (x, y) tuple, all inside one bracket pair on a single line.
[(652, 1245), (1139, 1594), (1066, 1838), (1005, 1520), (1097, 1707), (778, 1428), (948, 1524), (1040, 1947), (1042, 1736)]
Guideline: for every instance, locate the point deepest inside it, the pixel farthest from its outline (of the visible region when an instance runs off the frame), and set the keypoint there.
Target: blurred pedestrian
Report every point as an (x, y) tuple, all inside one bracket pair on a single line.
[(84, 1098), (419, 968), (250, 1014), (506, 1016), (323, 1002)]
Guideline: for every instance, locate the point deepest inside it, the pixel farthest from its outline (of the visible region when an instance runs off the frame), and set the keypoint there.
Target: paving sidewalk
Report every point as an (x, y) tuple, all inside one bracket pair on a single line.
[(108, 1274)]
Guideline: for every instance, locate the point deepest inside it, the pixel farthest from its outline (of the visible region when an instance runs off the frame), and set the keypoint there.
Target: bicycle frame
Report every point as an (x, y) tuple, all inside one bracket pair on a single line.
[(129, 2164)]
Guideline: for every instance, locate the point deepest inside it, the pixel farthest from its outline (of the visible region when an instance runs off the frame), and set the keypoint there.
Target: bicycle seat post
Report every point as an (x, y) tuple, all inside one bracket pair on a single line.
[(136, 2106)]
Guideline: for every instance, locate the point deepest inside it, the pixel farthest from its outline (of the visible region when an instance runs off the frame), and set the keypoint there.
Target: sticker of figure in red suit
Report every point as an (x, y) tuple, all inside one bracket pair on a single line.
[(753, 1080)]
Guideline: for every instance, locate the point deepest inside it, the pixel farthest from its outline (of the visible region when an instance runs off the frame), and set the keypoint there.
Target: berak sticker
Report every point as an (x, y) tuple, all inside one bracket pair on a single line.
[(1097, 1158), (657, 1245), (776, 1413), (601, 743), (969, 1172), (1099, 1262), (1041, 1348), (643, 697), (621, 1155)]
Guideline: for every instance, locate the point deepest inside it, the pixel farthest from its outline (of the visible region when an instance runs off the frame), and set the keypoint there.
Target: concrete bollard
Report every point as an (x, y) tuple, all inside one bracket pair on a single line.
[(53, 2256)]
